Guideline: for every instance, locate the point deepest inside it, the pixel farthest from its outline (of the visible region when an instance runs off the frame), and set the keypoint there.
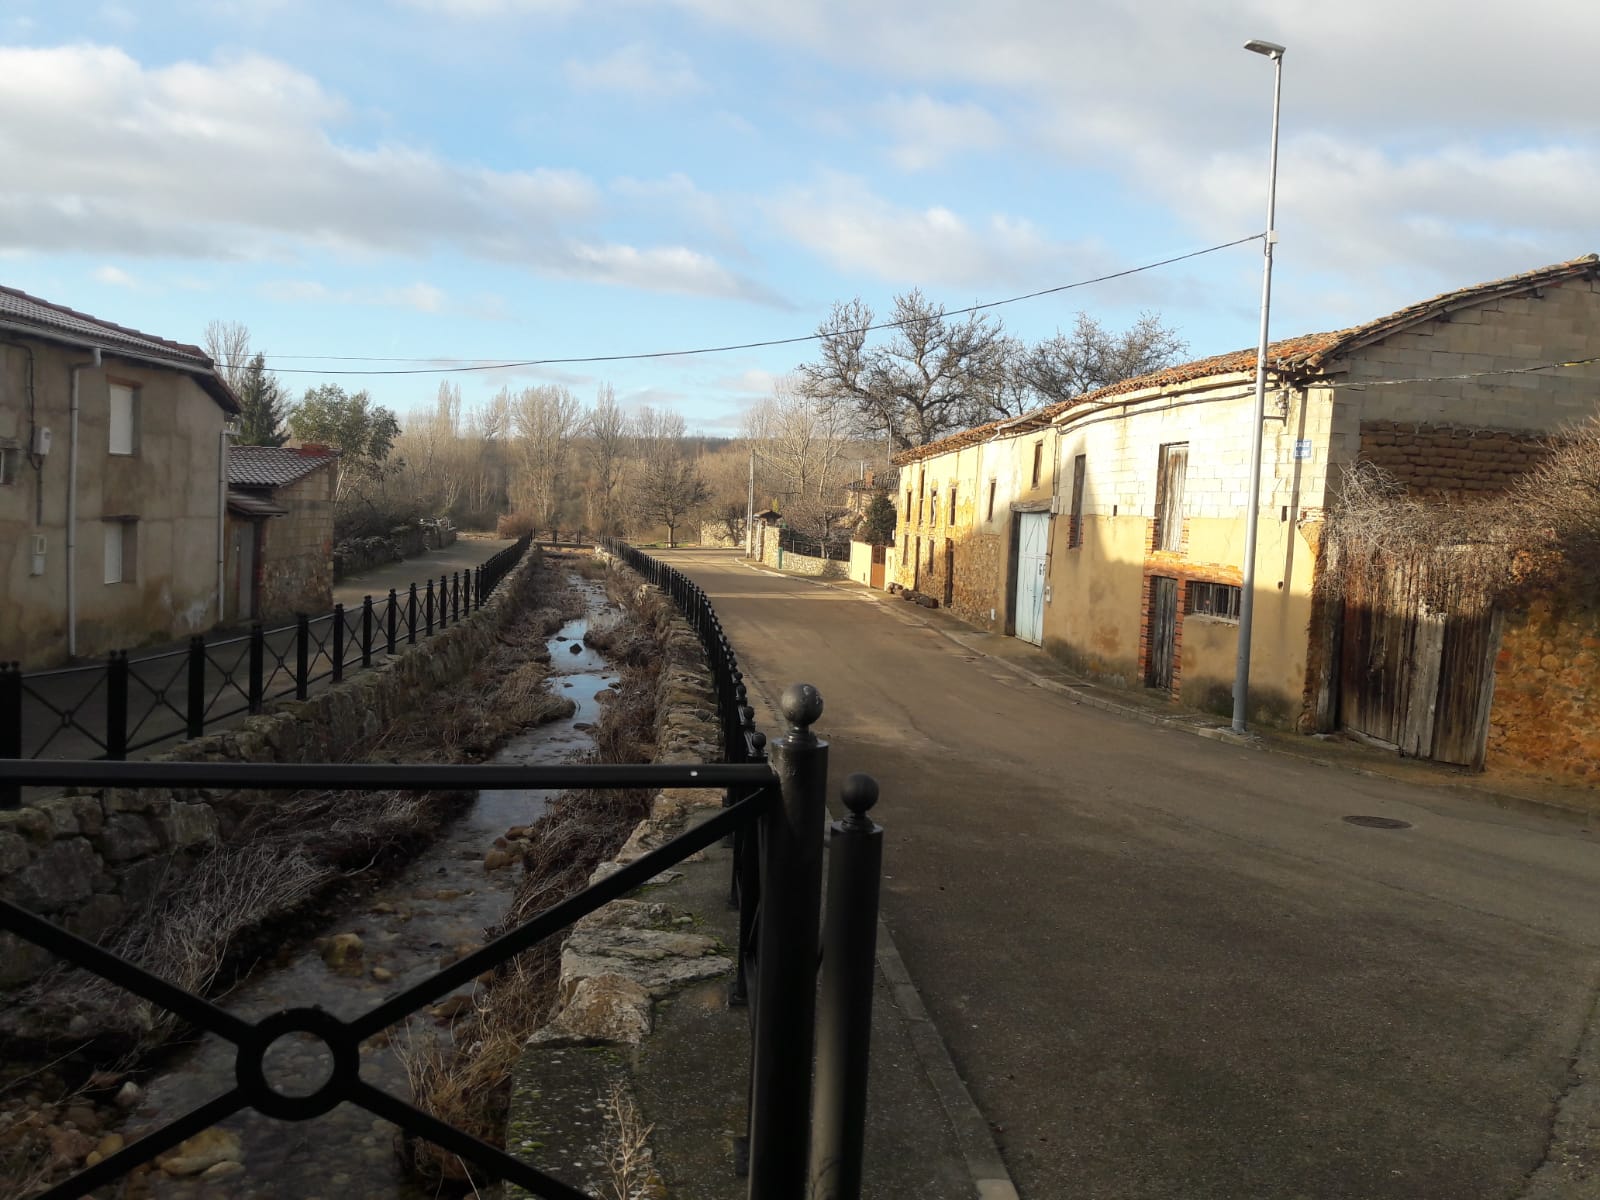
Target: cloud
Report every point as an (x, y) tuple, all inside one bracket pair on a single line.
[(115, 276), (237, 160), (635, 69), (928, 131), (481, 9), (420, 297), (857, 231)]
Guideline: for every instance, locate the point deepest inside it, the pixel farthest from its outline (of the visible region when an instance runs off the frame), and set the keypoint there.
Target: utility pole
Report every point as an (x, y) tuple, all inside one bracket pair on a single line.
[(750, 509)]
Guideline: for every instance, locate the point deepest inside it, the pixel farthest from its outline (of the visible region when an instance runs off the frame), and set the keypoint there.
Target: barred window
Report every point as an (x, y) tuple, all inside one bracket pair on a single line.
[(1213, 600)]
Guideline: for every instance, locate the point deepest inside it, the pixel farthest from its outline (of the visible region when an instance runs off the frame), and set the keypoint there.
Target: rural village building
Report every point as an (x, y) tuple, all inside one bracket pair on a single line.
[(112, 474), (280, 530), (1110, 529)]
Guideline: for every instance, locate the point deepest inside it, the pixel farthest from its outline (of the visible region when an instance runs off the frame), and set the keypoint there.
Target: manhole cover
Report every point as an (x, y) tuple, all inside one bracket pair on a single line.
[(1379, 822)]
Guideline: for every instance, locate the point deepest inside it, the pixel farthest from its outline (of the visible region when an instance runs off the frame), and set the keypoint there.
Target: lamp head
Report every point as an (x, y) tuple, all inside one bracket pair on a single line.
[(1271, 49)]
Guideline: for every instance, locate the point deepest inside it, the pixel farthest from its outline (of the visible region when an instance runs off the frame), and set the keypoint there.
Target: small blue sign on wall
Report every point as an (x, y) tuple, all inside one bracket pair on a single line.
[(1302, 449)]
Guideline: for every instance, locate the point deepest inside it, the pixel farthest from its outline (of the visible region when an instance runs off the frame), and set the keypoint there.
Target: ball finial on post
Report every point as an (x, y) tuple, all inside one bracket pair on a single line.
[(859, 793), (802, 705)]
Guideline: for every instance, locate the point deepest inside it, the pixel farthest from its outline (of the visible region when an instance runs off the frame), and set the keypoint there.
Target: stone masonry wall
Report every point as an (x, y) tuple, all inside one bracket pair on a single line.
[(87, 860), (297, 558), (1450, 461), (1546, 713), (802, 564)]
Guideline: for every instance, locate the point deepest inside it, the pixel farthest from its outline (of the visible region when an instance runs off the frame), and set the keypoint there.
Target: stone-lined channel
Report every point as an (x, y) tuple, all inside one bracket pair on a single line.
[(428, 915)]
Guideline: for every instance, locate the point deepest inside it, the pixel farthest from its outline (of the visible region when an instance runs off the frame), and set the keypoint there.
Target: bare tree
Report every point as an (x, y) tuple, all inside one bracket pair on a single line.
[(934, 375), (805, 445), (228, 345), (544, 420), (665, 486), (1091, 357), (605, 430)]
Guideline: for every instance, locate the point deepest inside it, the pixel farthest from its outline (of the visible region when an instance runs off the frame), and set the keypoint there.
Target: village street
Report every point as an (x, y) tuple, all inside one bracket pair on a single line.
[(1165, 966)]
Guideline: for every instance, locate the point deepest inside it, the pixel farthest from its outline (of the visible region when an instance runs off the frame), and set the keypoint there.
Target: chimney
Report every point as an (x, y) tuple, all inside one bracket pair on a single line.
[(312, 449)]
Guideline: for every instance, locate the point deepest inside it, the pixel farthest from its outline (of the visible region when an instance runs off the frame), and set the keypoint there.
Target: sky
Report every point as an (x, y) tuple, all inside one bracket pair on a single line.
[(504, 180)]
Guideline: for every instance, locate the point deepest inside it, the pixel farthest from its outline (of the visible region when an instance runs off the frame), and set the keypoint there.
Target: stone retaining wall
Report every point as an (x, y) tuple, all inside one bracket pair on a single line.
[(802, 564), (402, 542), (88, 859)]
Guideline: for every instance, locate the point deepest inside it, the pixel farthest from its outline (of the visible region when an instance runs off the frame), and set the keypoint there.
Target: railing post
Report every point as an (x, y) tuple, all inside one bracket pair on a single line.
[(338, 642), (197, 687), (427, 610), (786, 981), (366, 631), (117, 705), (258, 656), (444, 601), (464, 590), (389, 622), (455, 595), (10, 726), (844, 1005), (411, 617), (302, 654)]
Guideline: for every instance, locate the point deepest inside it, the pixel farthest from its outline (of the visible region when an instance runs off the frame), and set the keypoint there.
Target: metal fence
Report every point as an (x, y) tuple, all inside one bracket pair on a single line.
[(123, 705), (800, 543), (810, 1026)]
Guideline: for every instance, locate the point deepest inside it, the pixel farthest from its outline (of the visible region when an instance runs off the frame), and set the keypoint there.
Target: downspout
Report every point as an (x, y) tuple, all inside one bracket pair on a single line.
[(72, 506), (222, 516)]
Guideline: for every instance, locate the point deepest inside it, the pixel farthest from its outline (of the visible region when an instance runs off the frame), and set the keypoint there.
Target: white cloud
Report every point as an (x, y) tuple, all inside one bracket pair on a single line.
[(928, 131), (635, 69), (479, 9), (237, 160), (115, 276), (420, 297), (858, 231)]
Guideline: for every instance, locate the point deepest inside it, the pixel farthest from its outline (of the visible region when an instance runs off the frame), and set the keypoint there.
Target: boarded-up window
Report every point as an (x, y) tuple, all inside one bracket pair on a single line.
[(124, 410), (1038, 462), (1080, 467), (1173, 466), (952, 504), (121, 551), (908, 506)]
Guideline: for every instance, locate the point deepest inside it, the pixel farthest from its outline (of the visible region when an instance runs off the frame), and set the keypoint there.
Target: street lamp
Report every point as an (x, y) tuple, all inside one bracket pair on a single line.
[(1247, 591)]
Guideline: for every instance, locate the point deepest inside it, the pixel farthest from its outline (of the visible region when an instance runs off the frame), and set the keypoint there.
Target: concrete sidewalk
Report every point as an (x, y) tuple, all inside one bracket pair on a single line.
[(1506, 789)]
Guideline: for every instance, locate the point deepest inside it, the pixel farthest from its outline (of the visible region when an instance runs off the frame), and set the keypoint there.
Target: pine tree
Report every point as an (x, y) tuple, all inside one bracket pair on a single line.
[(262, 398), (877, 524)]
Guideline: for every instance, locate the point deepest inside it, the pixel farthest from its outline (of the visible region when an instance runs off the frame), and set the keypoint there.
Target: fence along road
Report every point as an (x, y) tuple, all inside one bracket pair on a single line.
[(1166, 967), (148, 699)]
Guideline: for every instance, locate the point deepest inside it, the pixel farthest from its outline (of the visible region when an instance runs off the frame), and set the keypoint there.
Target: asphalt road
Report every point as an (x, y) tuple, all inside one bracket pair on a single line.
[(1166, 967)]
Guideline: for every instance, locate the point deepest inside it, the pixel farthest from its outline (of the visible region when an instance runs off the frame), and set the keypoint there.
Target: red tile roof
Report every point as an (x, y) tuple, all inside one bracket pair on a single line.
[(29, 314), (1301, 355)]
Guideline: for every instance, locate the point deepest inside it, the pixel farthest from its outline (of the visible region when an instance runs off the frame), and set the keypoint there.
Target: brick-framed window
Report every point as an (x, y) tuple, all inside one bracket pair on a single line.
[(1171, 468), (1220, 600), (1080, 467)]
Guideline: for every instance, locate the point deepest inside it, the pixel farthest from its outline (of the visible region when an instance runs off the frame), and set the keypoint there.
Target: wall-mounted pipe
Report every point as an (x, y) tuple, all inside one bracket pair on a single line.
[(72, 505)]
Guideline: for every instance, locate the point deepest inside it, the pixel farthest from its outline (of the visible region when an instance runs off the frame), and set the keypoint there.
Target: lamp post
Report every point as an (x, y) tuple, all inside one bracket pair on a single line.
[(1247, 590)]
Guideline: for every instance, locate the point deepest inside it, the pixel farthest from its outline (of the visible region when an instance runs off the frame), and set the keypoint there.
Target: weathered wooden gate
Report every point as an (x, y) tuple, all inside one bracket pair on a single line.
[(1163, 641), (1413, 674), (875, 571), (1033, 545)]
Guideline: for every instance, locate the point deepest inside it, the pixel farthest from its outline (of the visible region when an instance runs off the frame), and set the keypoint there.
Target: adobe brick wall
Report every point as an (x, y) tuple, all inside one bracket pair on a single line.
[(86, 860), (1450, 462), (1546, 713)]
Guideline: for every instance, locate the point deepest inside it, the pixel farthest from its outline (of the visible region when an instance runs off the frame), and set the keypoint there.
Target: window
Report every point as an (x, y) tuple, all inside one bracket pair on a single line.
[(1080, 466), (1038, 462), (952, 504), (930, 556), (1213, 600), (1172, 467), (122, 550), (10, 464), (992, 484), (124, 413), (933, 507), (908, 506)]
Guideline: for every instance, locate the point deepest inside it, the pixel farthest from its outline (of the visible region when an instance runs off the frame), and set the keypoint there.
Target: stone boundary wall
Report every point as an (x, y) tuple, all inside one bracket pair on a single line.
[(1545, 718), (401, 542), (90, 858), (616, 962), (803, 564)]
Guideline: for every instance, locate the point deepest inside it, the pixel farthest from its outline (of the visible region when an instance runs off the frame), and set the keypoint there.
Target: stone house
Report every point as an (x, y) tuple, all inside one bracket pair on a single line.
[(280, 530), (111, 484), (1144, 517)]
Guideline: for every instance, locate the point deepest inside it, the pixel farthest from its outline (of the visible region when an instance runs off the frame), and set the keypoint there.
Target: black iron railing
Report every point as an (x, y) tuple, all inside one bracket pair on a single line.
[(793, 542), (803, 1142), (123, 705)]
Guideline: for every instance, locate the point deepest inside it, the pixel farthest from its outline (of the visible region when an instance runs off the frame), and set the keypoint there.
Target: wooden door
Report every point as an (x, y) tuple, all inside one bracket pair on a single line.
[(1163, 632), (875, 571)]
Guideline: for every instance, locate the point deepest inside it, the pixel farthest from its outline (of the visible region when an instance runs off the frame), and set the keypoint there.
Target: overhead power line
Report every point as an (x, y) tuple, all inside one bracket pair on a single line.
[(482, 365)]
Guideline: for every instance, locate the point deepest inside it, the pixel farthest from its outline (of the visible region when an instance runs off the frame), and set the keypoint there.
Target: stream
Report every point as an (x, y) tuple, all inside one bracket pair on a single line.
[(431, 913)]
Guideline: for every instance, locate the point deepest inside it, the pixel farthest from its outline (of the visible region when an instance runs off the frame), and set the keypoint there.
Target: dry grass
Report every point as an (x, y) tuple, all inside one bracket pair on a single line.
[(1468, 556), (633, 1177)]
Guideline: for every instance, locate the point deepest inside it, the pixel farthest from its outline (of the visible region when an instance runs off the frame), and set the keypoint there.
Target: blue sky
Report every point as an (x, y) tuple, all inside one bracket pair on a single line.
[(512, 179)]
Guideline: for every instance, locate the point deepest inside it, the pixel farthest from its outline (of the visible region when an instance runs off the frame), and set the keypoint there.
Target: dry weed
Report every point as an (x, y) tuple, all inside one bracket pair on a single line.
[(633, 1177)]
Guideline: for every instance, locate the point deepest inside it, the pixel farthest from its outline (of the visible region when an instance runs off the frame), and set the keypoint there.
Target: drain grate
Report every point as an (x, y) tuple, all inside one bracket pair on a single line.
[(1378, 822)]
